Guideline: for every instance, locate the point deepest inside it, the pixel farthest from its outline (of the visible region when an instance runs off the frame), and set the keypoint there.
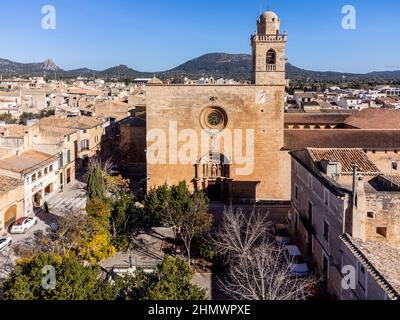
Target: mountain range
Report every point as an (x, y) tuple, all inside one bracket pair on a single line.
[(229, 66)]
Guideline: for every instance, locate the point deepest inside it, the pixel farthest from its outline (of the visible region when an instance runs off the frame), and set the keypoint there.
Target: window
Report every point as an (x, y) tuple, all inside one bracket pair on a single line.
[(310, 212), (381, 231), (68, 156), (39, 174), (34, 177), (61, 161), (51, 168), (84, 131), (370, 215), (326, 231), (296, 192), (85, 144), (326, 197), (325, 268), (395, 165), (271, 57), (46, 170)]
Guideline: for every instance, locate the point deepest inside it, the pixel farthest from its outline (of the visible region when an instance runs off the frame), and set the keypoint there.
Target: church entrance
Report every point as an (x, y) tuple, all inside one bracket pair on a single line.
[(212, 175)]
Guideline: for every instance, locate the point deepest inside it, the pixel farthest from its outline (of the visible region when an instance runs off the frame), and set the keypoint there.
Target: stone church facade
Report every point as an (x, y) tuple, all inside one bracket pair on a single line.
[(225, 139)]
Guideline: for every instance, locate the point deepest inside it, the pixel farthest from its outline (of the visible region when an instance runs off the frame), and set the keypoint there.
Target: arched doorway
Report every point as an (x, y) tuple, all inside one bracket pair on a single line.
[(213, 175), (10, 216)]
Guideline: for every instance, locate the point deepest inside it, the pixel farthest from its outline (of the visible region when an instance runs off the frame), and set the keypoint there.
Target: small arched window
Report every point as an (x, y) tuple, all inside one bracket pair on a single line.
[(271, 57)]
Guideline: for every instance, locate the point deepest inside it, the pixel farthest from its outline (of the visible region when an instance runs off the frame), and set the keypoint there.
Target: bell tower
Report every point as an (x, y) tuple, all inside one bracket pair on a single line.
[(269, 51)]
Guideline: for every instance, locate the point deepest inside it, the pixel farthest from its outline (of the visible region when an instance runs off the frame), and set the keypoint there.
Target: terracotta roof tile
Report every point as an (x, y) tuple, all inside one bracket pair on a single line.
[(347, 157)]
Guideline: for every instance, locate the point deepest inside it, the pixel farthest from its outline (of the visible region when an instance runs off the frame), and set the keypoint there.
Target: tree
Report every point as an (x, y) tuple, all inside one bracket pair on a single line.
[(196, 221), (95, 244), (7, 118), (99, 212), (256, 266), (241, 232), (171, 281), (71, 228), (96, 181), (121, 214), (96, 248), (178, 206), (265, 275), (74, 281), (155, 205)]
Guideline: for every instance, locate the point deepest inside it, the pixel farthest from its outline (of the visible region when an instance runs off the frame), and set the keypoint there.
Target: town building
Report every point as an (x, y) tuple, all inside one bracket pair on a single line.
[(38, 172), (11, 201), (346, 213)]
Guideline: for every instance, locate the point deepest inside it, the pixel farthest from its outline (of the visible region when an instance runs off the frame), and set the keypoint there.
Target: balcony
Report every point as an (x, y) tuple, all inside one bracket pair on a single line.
[(271, 67)]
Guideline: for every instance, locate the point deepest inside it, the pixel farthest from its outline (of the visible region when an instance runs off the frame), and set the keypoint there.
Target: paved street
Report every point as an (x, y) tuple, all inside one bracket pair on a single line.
[(73, 198), (145, 251)]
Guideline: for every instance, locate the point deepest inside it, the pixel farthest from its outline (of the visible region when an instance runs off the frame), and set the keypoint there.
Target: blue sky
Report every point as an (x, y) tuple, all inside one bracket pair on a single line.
[(154, 35)]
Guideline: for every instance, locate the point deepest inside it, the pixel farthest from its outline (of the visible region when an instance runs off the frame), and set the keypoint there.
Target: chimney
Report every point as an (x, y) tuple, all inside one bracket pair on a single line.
[(332, 169)]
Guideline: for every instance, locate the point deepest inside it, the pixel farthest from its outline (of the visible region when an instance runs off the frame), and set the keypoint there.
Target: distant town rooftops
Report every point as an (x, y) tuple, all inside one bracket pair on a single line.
[(74, 122)]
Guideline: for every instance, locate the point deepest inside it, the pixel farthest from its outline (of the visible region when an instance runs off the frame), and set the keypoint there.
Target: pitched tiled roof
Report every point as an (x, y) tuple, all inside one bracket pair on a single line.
[(27, 162), (380, 260), (347, 157), (342, 138), (8, 184), (75, 123), (303, 118), (375, 119)]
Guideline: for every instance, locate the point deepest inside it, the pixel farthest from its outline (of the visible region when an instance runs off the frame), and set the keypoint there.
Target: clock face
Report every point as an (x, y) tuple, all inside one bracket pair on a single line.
[(262, 97)]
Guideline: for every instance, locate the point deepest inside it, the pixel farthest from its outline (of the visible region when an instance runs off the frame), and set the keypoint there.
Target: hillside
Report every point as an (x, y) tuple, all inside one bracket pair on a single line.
[(218, 65)]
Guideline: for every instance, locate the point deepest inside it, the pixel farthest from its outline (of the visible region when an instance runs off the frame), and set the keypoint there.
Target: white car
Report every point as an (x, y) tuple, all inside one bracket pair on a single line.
[(5, 242), (282, 236), (23, 224), (297, 263)]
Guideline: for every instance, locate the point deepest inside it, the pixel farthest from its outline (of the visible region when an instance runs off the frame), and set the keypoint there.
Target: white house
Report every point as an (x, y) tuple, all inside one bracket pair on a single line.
[(39, 171)]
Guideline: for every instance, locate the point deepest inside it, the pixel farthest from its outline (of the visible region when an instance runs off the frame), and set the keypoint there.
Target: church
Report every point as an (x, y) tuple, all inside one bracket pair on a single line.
[(225, 139)]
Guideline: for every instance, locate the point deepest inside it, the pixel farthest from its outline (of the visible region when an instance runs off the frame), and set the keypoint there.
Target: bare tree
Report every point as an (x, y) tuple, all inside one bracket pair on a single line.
[(71, 226), (264, 275), (241, 231), (257, 269)]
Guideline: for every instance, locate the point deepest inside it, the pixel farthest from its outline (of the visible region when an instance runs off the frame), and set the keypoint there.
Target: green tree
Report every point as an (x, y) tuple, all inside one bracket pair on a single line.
[(8, 118), (179, 205), (171, 281), (74, 281), (96, 181), (155, 206), (196, 220)]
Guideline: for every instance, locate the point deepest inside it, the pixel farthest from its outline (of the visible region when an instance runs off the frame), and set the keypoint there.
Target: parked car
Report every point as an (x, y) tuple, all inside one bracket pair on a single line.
[(282, 236), (297, 263), (5, 242), (23, 224)]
